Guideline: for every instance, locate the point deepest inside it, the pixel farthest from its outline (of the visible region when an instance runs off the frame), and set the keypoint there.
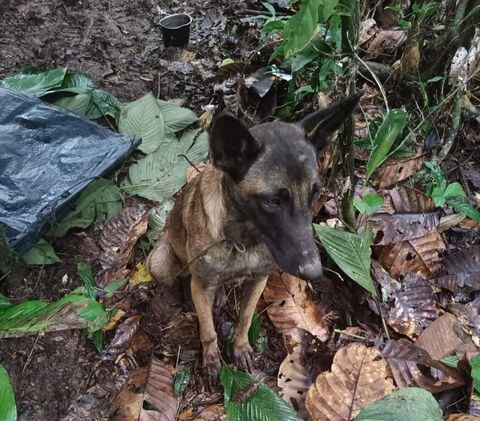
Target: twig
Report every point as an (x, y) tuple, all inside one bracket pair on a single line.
[(31, 353)]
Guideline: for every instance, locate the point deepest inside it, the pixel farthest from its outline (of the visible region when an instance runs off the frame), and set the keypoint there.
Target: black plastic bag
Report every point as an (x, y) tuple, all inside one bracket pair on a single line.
[(47, 157)]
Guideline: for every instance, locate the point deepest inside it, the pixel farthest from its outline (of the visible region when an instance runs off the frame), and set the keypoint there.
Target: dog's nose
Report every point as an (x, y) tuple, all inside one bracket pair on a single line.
[(310, 271)]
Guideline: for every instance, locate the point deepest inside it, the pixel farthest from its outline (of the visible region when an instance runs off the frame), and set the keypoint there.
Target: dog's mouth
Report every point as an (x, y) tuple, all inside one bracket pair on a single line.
[(301, 259)]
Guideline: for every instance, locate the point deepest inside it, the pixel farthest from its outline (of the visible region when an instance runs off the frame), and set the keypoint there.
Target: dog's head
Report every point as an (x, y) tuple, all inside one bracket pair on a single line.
[(275, 177)]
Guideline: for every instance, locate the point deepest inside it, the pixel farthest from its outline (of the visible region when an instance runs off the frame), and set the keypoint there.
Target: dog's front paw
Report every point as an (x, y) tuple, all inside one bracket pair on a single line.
[(243, 354), (212, 364)]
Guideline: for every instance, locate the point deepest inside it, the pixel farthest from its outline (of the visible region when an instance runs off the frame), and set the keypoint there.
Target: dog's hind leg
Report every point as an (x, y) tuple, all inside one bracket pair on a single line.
[(162, 262)]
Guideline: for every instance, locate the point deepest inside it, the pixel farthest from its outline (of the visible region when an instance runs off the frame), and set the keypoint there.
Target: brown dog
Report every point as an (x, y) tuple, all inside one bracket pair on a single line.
[(245, 215)]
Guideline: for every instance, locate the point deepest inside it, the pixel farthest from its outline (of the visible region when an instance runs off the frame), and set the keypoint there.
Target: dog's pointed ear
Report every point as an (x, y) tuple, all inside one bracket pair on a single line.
[(321, 124), (233, 148)]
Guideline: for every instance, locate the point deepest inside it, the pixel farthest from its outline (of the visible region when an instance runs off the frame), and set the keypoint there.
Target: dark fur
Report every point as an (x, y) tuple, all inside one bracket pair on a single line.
[(245, 215)]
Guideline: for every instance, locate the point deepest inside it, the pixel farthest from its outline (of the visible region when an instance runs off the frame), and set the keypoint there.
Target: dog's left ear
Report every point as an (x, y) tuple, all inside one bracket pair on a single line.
[(321, 124), (233, 148)]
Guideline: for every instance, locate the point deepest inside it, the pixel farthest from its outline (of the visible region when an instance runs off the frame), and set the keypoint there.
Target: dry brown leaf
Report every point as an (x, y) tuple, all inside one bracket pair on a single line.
[(368, 29), (468, 316), (128, 402), (461, 417), (461, 270), (410, 59), (229, 70), (154, 386), (386, 40), (420, 255), (405, 214), (357, 377), (117, 240), (299, 369), (125, 333), (416, 306), (395, 170), (413, 366), (292, 306), (445, 337), (212, 413)]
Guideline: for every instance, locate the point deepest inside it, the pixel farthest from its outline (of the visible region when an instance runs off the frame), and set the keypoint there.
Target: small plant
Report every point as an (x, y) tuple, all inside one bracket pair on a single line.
[(452, 194)]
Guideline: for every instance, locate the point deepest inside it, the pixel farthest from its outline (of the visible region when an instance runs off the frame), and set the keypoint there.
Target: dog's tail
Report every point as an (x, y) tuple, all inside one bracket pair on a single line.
[(162, 262)]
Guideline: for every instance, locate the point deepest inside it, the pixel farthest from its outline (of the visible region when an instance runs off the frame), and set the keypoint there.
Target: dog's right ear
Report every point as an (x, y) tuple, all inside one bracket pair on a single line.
[(233, 148)]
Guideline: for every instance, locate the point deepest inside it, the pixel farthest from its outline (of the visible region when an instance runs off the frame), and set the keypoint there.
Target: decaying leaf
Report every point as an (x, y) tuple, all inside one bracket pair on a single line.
[(212, 413), (118, 238), (146, 388), (368, 29), (386, 40), (416, 306), (358, 377), (469, 317), (413, 366), (395, 170), (299, 369), (410, 59), (125, 333), (293, 307), (128, 402), (445, 337), (420, 255), (400, 227), (461, 270)]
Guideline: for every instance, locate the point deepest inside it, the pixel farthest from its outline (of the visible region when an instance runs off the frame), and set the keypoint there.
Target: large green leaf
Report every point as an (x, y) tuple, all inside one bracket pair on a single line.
[(301, 27), (475, 373), (98, 202), (8, 410), (35, 82), (407, 404), (75, 83), (143, 118), (326, 9), (161, 174), (176, 118), (41, 253), (71, 312), (92, 104), (247, 399), (386, 135), (351, 252), (4, 302)]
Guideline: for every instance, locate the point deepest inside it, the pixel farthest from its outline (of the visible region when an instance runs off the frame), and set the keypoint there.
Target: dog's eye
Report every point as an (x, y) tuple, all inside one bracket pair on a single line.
[(272, 202)]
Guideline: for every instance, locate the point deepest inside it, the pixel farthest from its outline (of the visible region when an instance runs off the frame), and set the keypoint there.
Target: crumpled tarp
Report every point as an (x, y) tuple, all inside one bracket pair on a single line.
[(47, 157)]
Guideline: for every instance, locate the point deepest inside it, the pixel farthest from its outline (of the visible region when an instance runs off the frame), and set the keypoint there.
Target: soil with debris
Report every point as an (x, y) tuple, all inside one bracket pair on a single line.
[(119, 43)]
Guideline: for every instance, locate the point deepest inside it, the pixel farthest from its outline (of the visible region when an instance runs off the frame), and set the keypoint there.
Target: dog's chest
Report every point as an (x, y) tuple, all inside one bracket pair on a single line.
[(227, 262)]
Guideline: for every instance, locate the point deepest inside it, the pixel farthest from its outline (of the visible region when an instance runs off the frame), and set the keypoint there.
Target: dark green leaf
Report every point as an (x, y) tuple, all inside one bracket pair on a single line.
[(301, 27), (114, 286), (8, 410), (160, 175), (326, 9), (461, 204), (475, 373), (369, 204), (97, 338), (41, 253), (254, 330), (92, 104), (85, 272), (4, 302), (406, 404), (247, 399), (451, 361), (35, 82), (351, 252), (76, 83), (385, 137), (181, 381), (98, 202)]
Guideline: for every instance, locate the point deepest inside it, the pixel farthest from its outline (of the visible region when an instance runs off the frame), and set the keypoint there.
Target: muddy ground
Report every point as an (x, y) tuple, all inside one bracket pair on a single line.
[(60, 375)]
